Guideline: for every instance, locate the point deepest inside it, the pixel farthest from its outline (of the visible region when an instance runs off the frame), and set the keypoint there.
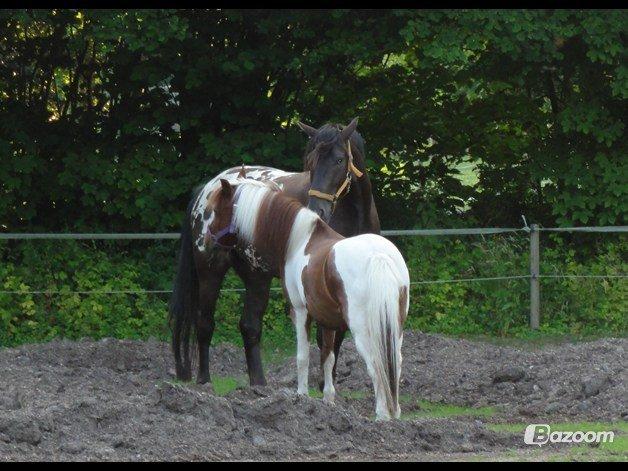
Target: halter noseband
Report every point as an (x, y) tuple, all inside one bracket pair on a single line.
[(344, 187), (215, 238)]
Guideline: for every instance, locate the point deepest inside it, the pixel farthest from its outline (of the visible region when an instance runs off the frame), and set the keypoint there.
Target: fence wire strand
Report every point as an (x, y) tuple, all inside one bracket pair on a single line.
[(394, 232), (390, 232), (275, 288)]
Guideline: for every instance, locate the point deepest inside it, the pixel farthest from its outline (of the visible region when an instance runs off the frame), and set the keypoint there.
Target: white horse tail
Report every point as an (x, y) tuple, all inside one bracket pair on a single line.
[(383, 322)]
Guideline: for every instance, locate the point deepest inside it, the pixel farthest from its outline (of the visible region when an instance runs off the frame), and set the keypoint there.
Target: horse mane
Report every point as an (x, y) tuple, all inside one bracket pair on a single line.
[(328, 136), (266, 219)]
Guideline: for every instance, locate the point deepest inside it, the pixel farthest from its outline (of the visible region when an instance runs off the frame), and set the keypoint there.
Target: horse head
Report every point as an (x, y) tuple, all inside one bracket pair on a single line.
[(221, 230), (330, 161)]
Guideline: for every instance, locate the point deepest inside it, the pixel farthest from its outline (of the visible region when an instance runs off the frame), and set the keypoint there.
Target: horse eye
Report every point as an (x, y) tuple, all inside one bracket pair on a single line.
[(339, 161)]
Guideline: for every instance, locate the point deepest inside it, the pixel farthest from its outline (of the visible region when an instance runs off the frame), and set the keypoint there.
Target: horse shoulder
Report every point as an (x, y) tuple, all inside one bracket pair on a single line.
[(295, 185)]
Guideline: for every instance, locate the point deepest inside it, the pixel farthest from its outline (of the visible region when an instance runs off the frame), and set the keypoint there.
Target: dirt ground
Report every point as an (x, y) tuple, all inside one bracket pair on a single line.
[(117, 400)]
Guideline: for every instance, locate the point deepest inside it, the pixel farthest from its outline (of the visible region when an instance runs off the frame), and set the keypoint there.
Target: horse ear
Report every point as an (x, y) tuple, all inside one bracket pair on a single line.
[(242, 172), (345, 134), (226, 189), (309, 130)]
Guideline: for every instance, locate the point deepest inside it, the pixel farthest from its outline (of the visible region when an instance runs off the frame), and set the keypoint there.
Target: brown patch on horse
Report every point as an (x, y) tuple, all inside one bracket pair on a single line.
[(403, 300), (273, 226), (295, 186), (242, 172), (324, 290), (327, 347)]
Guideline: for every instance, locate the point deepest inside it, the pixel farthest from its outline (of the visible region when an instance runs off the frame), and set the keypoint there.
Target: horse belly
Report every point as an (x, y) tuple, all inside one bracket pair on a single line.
[(326, 314)]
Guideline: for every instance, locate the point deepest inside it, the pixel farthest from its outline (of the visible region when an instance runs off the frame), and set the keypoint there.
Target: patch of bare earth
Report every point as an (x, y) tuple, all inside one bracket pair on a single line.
[(116, 400)]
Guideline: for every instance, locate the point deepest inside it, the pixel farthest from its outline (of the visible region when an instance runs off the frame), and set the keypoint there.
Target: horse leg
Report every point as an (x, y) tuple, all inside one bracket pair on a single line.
[(210, 280), (321, 371), (301, 324), (363, 346), (327, 364), (255, 302), (338, 338)]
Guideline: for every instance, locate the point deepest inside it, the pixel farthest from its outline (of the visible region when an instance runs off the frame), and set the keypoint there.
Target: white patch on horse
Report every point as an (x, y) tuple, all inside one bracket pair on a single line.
[(249, 198), (373, 273), (253, 172), (296, 258)]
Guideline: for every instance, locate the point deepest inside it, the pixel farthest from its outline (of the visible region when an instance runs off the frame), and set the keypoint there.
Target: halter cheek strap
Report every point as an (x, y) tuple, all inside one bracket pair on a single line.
[(215, 238), (346, 184)]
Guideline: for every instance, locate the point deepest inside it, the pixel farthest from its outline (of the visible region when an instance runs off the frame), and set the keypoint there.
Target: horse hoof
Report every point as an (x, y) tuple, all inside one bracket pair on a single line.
[(202, 379), (182, 373), (184, 377)]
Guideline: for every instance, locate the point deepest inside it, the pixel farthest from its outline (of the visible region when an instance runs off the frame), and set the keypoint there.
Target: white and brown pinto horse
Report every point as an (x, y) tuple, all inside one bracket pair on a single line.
[(358, 282)]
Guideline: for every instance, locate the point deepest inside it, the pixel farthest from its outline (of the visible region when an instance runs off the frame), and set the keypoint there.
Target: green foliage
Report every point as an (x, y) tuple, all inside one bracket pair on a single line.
[(573, 306), (67, 267), (41, 317), (435, 409), (577, 307), (108, 118)]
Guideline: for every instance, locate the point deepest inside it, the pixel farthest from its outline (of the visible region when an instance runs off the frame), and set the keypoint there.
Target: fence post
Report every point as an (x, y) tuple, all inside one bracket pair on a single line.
[(535, 298)]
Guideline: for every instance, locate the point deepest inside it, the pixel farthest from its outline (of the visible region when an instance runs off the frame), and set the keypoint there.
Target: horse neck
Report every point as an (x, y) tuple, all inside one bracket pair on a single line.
[(360, 195), (358, 202), (281, 225)]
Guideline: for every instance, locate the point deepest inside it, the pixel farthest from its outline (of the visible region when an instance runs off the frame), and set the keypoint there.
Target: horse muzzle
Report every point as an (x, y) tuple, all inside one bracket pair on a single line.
[(322, 208)]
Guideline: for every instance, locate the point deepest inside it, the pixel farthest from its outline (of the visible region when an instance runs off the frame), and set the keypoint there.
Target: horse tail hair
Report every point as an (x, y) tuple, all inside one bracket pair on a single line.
[(183, 305), (384, 326)]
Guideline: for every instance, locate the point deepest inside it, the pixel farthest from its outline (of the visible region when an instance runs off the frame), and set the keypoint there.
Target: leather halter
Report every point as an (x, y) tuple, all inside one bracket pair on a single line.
[(344, 187), (231, 229), (215, 238)]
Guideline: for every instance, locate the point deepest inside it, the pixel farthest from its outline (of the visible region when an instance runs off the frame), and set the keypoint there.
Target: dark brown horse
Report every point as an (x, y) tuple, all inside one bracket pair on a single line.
[(340, 192)]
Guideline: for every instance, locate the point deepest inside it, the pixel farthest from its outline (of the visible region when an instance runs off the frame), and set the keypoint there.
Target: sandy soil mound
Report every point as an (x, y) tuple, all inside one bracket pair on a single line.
[(115, 400), (585, 380)]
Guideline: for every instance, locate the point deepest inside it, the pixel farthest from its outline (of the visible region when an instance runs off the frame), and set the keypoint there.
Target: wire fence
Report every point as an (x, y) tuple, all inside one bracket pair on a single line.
[(533, 276), (385, 233)]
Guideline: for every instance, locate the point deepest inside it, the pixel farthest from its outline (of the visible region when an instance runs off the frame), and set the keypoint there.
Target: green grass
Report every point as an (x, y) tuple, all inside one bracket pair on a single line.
[(425, 408), (223, 385), (277, 355), (615, 451), (354, 395), (439, 410)]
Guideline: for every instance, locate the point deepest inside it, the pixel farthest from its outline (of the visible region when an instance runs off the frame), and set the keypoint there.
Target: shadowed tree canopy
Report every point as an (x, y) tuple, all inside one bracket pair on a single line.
[(109, 118)]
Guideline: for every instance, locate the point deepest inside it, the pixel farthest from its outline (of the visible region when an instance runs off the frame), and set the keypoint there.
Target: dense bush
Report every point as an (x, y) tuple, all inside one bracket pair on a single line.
[(109, 117), (568, 306), (574, 306)]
